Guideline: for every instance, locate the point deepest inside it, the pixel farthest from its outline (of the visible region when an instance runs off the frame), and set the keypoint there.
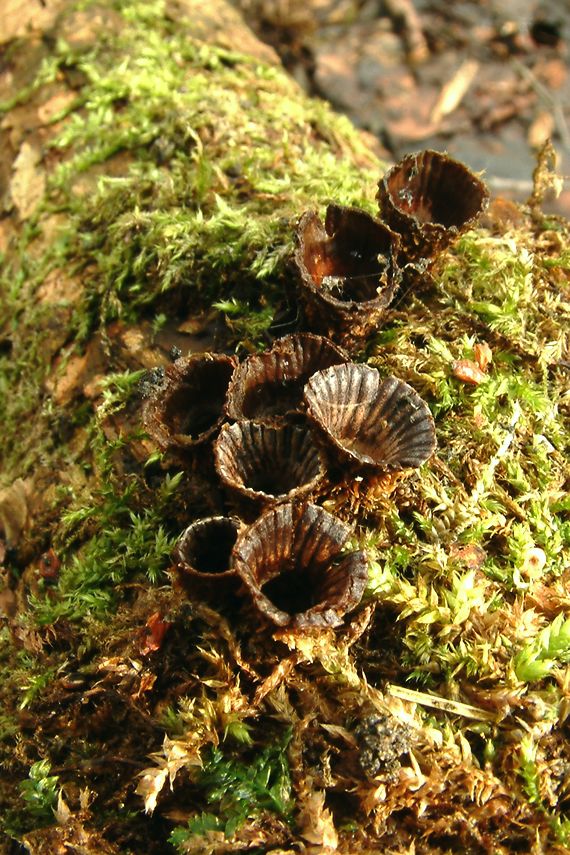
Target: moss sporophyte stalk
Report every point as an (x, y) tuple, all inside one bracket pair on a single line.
[(193, 201)]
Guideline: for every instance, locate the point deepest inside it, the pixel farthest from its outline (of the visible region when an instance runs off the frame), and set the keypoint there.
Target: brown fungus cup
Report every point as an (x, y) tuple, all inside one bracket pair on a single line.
[(266, 464), (188, 409), (348, 272), (430, 199), (368, 424), (291, 563), (268, 387), (202, 555)]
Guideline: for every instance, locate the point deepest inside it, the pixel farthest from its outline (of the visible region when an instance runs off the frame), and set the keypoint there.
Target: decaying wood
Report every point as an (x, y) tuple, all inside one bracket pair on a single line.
[(434, 720)]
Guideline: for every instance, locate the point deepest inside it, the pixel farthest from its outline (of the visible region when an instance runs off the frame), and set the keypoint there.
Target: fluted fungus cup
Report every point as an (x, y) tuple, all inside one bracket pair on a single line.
[(369, 425), (347, 272), (202, 555), (265, 464), (291, 563), (188, 409), (430, 199), (268, 387)]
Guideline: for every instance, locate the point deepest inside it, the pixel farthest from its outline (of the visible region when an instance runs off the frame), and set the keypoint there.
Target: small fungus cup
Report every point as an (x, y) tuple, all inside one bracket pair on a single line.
[(268, 387), (202, 555), (430, 199), (188, 409), (367, 424), (347, 272), (291, 563), (267, 464)]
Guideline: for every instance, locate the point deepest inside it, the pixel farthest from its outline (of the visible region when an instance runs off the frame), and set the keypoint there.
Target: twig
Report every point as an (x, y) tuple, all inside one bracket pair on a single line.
[(406, 18), (439, 703)]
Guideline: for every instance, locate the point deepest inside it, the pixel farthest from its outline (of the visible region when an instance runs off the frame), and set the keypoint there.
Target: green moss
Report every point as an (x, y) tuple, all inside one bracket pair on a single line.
[(122, 526), (213, 154), (223, 152), (240, 791), (502, 446)]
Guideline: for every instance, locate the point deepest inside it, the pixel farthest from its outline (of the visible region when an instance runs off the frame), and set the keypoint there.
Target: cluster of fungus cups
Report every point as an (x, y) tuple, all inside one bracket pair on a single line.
[(351, 267), (286, 425), (317, 414)]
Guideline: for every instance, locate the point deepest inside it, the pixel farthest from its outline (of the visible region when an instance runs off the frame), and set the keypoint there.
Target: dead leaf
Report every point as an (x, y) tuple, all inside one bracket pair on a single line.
[(468, 371), (541, 129), (73, 372), (316, 824), (454, 90), (483, 355), (8, 603), (414, 127), (342, 732), (146, 683), (470, 555), (275, 678), (70, 383), (28, 181), (175, 755), (153, 634), (19, 16), (59, 287), (150, 785), (55, 105), (553, 72), (62, 812), (14, 510)]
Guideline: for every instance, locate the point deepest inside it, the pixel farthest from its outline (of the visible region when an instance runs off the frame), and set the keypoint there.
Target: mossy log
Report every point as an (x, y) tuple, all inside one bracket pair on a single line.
[(155, 158)]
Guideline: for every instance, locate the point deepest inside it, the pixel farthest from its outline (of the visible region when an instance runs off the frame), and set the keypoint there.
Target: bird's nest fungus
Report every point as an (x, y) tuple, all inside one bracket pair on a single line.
[(293, 425)]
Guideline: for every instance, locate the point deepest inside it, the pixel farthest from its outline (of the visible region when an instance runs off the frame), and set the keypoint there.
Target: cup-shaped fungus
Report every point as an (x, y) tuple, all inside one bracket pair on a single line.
[(348, 272), (202, 555), (291, 562), (371, 425), (268, 387), (265, 463), (430, 199), (188, 409)]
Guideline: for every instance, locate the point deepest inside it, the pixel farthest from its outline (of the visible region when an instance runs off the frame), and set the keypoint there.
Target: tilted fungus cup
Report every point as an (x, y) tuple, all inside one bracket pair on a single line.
[(430, 199), (266, 464), (268, 387), (188, 409), (369, 424), (348, 272), (202, 555), (291, 563)]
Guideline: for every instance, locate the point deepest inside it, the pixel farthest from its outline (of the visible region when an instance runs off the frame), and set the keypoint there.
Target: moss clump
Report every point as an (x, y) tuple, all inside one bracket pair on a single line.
[(177, 169), (222, 150)]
